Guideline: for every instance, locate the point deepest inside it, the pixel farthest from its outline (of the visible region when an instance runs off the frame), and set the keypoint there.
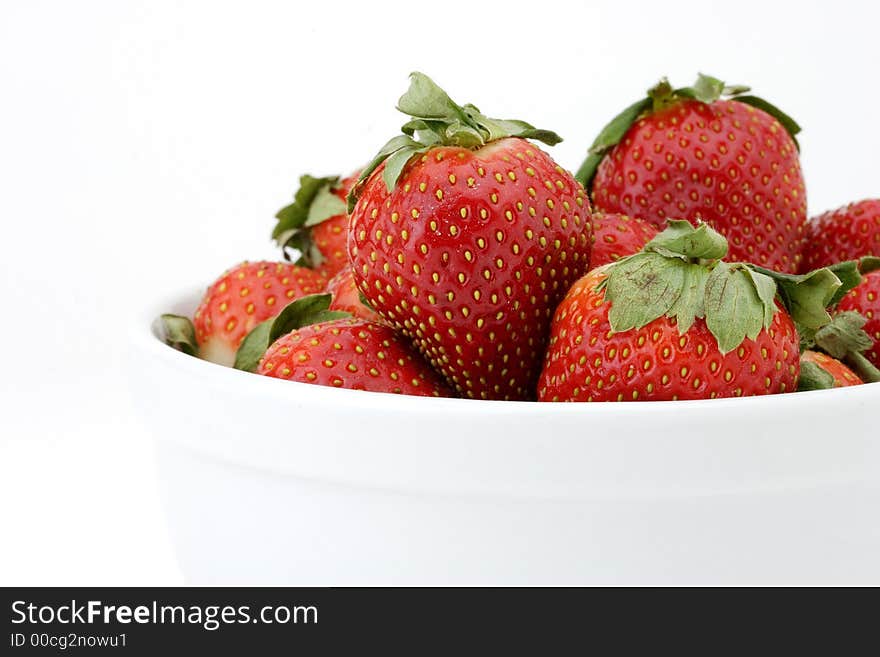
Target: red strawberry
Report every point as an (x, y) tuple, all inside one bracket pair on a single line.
[(865, 299), (347, 297), (465, 237), (616, 236), (674, 322), (316, 224), (351, 353), (243, 297), (840, 374), (689, 154), (848, 233)]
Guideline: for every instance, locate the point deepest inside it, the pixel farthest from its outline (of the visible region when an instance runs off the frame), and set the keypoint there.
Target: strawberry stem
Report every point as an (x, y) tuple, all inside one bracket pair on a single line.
[(437, 120)]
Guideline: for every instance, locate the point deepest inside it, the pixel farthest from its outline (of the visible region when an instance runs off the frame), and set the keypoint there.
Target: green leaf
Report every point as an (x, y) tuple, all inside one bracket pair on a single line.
[(465, 136), (294, 215), (691, 304), (178, 332), (679, 275), (869, 264), (784, 119), (252, 348), (395, 164), (707, 89), (809, 299), (813, 377), (314, 202), (537, 134), (301, 240), (642, 288), (864, 368), (501, 128), (609, 137), (662, 95), (304, 311), (805, 296), (681, 239), (765, 288), (325, 205), (426, 100), (424, 132), (849, 276), (394, 144), (736, 89), (843, 334), (438, 120), (734, 311)]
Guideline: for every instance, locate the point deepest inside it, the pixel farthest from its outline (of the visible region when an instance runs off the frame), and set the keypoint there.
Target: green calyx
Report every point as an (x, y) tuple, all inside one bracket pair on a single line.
[(680, 274), (437, 120), (304, 311), (814, 377), (178, 332), (706, 89), (845, 339), (313, 203), (869, 264)]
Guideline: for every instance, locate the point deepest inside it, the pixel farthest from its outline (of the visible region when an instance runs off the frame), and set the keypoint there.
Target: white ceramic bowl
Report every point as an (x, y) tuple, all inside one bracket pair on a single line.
[(271, 482)]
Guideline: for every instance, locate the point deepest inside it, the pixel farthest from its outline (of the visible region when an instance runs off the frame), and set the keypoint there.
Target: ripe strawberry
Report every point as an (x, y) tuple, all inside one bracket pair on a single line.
[(465, 237), (243, 297), (865, 299), (841, 375), (347, 297), (351, 353), (848, 233), (616, 236), (674, 322), (316, 224), (687, 153)]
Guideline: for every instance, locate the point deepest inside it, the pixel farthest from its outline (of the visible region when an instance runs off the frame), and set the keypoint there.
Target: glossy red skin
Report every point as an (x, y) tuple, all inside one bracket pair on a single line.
[(727, 164), (843, 376), (331, 235), (347, 297), (354, 354), (586, 362), (848, 233), (616, 236), (459, 258), (246, 295), (331, 238), (865, 298)]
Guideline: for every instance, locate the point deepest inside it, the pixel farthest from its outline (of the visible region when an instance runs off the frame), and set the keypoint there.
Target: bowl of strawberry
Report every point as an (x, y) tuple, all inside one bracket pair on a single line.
[(474, 367)]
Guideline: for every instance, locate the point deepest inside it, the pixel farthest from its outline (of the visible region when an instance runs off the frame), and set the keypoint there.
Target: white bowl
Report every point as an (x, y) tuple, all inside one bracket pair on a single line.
[(270, 482)]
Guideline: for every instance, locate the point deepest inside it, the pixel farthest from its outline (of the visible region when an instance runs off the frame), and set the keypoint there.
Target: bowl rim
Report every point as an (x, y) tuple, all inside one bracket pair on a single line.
[(143, 336)]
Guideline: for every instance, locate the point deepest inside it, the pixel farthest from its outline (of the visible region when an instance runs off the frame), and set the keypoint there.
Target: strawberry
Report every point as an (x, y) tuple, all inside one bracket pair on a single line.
[(351, 353), (848, 233), (347, 297), (676, 322), (616, 236), (865, 299), (235, 303), (316, 224), (840, 375), (464, 237), (688, 153)]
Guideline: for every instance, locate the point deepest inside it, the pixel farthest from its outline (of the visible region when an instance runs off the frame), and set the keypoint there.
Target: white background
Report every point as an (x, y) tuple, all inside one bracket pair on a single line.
[(144, 147)]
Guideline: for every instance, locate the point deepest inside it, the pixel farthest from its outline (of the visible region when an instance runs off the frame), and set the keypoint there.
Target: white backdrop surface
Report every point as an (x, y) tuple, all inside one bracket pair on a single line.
[(144, 147)]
